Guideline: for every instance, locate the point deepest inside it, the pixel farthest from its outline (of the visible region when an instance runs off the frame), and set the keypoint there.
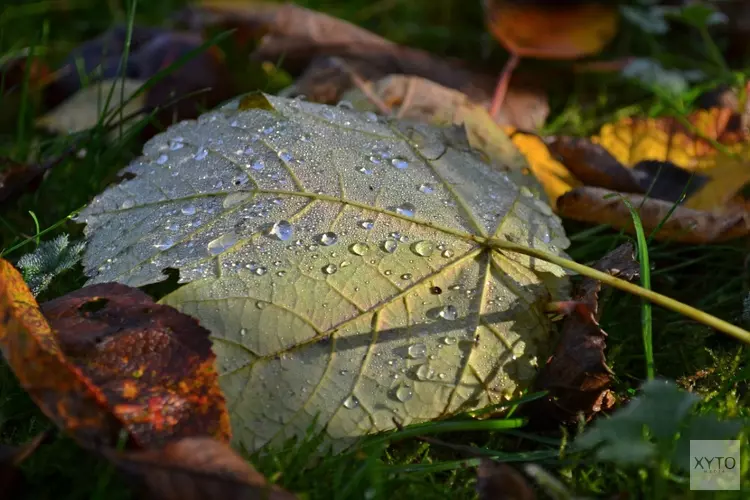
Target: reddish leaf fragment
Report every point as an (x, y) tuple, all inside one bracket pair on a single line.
[(197, 469), (59, 388), (152, 364), (499, 481), (11, 478), (576, 375)]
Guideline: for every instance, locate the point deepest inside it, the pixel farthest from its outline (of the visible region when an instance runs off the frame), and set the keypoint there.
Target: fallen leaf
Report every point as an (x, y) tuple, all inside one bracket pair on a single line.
[(201, 81), (16, 177), (685, 225), (152, 364), (11, 477), (60, 368), (552, 30), (309, 41), (499, 481), (576, 375), (317, 244), (196, 468), (661, 157)]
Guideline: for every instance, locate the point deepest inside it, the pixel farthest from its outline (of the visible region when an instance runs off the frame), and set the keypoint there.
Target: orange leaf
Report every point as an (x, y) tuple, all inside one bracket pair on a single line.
[(112, 360), (552, 31)]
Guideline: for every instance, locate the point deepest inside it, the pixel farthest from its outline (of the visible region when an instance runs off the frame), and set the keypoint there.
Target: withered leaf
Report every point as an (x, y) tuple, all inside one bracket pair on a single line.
[(152, 364), (576, 375), (303, 38), (685, 225), (103, 367), (196, 468), (499, 481), (15, 177)]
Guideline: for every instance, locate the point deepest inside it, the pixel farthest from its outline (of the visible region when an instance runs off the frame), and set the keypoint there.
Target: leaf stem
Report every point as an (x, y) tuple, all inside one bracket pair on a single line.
[(656, 298)]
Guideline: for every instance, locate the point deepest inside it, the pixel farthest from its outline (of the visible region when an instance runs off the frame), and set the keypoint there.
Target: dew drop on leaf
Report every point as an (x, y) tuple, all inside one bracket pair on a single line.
[(162, 159), (448, 312), (417, 351), (406, 276), (201, 154), (188, 210), (281, 230), (447, 253), (222, 243), (260, 270), (399, 163), (327, 239), (330, 268), (285, 156), (423, 248), (243, 331), (389, 245), (174, 145), (449, 341), (425, 372), (258, 164), (375, 159), (359, 248), (404, 393), (260, 304), (127, 204), (351, 402), (406, 209), (367, 224), (426, 188), (164, 244)]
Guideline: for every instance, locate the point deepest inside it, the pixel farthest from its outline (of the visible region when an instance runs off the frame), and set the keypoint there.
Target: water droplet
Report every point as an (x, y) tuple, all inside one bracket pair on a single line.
[(389, 245), (426, 188), (367, 224), (188, 210), (455, 287), (327, 239), (448, 312), (260, 304), (406, 276), (417, 351), (175, 144), (165, 244), (162, 159), (258, 164), (526, 192), (127, 204), (449, 340), (406, 209), (370, 116), (281, 274), (365, 170), (260, 270), (359, 248), (404, 393), (423, 248), (345, 105), (222, 243), (234, 199), (375, 159), (330, 268), (345, 263), (243, 331), (351, 402), (447, 253), (425, 372), (387, 272), (281, 230), (399, 163), (240, 180), (201, 154), (285, 156), (441, 375), (327, 113)]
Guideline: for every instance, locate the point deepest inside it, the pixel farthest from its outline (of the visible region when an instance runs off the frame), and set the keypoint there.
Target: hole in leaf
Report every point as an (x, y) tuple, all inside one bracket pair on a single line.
[(93, 306), (127, 176)]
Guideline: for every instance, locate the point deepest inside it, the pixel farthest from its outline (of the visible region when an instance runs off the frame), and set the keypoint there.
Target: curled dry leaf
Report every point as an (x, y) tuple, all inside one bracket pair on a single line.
[(152, 364), (658, 157), (576, 375), (196, 468), (552, 30), (91, 373), (307, 40)]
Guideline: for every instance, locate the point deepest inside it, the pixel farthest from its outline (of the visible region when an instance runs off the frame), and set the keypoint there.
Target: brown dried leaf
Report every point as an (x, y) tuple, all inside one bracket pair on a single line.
[(196, 468), (15, 177), (303, 38), (499, 481), (152, 364), (685, 225), (576, 375)]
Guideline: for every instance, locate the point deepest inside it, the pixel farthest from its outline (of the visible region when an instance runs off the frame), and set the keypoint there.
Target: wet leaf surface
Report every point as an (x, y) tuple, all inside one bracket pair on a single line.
[(311, 240)]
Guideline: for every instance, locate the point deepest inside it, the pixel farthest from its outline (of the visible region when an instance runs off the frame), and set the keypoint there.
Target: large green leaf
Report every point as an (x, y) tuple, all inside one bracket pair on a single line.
[(339, 261)]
